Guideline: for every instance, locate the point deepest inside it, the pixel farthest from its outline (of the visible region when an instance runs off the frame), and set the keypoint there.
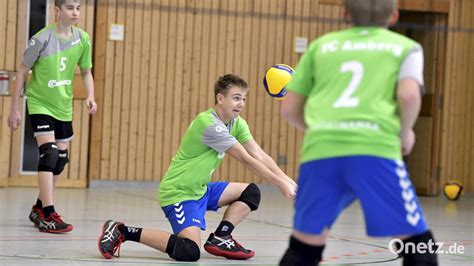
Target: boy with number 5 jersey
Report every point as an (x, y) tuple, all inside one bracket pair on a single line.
[(52, 55)]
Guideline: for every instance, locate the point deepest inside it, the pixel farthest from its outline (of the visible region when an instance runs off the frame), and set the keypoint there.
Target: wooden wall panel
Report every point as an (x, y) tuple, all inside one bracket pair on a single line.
[(10, 49), (457, 156), (169, 114), (151, 85), (5, 141), (107, 103), (99, 82), (162, 26), (21, 37), (147, 102), (3, 33), (127, 90), (117, 91), (8, 34), (440, 6), (156, 80), (136, 90), (177, 97)]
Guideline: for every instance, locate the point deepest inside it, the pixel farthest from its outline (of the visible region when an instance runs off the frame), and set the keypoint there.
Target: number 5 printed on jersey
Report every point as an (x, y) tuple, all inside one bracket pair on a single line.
[(62, 65)]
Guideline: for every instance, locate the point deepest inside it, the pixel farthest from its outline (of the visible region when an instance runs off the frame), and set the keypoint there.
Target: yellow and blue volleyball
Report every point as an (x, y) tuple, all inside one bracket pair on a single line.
[(276, 78), (452, 190)]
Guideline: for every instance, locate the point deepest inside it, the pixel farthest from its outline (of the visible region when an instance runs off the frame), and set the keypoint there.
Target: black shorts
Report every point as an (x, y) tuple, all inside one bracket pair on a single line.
[(48, 125)]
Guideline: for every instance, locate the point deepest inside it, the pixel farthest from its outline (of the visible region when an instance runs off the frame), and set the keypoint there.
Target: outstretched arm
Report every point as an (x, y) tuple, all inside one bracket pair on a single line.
[(238, 152), (258, 153), (89, 84)]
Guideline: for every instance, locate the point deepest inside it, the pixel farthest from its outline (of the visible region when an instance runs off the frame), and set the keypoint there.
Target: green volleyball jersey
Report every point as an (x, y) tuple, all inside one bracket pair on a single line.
[(52, 60), (201, 150), (349, 79)]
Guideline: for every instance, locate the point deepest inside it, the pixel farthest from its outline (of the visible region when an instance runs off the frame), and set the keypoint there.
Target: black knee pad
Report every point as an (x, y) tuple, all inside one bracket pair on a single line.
[(49, 157), (183, 249), (415, 258), (251, 196), (62, 161)]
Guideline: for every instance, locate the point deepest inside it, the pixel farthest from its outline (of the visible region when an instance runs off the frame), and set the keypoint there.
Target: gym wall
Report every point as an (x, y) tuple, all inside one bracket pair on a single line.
[(150, 85), (162, 75)]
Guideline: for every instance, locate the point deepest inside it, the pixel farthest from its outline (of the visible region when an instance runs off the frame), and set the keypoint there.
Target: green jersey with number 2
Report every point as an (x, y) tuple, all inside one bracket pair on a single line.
[(349, 79)]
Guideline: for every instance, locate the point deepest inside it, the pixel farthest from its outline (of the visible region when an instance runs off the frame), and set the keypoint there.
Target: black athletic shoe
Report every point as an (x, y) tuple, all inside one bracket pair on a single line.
[(227, 247), (36, 215), (110, 239), (54, 224)]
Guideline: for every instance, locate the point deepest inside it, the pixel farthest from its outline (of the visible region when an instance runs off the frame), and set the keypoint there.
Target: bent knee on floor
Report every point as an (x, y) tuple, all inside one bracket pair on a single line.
[(185, 250)]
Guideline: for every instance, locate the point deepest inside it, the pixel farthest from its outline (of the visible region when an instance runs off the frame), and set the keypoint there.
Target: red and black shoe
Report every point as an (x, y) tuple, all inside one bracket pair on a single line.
[(36, 215), (110, 239), (54, 224), (227, 247)]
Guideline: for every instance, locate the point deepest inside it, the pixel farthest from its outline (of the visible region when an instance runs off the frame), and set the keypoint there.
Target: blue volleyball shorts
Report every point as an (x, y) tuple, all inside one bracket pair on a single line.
[(191, 212), (383, 187)]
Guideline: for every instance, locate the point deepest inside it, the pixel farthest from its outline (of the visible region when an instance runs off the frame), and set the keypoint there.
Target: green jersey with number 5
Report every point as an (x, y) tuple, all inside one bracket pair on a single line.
[(349, 79), (52, 60)]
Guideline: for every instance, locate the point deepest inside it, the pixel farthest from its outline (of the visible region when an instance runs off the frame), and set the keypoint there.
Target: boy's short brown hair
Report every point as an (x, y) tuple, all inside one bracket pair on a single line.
[(224, 83), (370, 12), (59, 3)]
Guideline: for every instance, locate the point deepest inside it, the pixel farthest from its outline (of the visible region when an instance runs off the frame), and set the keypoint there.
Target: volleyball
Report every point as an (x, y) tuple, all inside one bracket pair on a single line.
[(452, 190), (276, 78)]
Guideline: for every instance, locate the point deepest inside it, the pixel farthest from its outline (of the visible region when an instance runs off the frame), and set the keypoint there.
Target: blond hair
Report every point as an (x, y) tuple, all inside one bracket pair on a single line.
[(59, 3), (370, 12)]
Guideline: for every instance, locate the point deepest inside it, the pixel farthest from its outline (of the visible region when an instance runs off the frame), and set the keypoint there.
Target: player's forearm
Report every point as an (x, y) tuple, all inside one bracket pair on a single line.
[(292, 110), (294, 116), (19, 82), (261, 170), (88, 80), (271, 164), (409, 103), (296, 120)]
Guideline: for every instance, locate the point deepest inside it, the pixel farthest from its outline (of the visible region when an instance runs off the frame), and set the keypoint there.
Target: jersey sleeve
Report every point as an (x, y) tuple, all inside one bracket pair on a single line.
[(85, 61), (302, 81), (218, 137), (32, 52), (243, 132), (412, 66)]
